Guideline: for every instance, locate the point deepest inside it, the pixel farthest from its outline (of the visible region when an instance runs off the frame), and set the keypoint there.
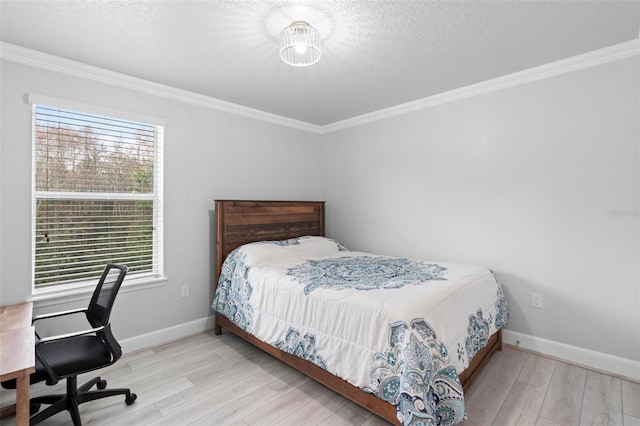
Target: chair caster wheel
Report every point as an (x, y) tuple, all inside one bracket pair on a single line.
[(131, 399), (101, 384), (34, 407)]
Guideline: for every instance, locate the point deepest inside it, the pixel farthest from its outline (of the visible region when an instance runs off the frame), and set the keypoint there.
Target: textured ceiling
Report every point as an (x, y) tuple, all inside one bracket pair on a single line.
[(376, 54)]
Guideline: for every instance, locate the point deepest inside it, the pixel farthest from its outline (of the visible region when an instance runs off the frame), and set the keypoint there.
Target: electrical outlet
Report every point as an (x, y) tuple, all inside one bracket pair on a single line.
[(185, 290), (536, 300)]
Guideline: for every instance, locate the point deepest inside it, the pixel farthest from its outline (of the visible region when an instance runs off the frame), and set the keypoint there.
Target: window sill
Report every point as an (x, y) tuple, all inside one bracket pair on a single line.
[(82, 293)]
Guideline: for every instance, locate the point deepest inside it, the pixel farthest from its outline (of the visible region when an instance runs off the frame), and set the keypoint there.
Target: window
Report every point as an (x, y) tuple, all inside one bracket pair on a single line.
[(97, 196)]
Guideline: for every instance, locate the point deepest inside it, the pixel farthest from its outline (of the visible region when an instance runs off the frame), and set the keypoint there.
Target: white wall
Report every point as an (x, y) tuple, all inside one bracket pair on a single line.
[(208, 154), (539, 182)]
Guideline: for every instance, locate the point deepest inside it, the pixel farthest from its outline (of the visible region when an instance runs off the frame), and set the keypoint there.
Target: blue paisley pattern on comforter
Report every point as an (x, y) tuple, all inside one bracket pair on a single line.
[(301, 346), (415, 375), (364, 273), (234, 291)]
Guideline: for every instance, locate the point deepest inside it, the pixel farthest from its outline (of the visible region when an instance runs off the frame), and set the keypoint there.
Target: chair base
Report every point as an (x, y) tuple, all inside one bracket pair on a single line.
[(73, 398)]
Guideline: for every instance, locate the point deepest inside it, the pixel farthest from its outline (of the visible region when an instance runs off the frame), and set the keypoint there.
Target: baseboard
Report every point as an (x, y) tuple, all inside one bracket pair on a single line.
[(158, 337), (598, 361)]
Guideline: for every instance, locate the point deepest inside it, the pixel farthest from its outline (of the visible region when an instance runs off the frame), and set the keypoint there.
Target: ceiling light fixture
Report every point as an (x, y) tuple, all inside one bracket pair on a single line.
[(300, 44)]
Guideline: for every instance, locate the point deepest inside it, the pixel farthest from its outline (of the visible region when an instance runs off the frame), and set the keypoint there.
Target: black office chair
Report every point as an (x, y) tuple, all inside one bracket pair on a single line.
[(65, 356)]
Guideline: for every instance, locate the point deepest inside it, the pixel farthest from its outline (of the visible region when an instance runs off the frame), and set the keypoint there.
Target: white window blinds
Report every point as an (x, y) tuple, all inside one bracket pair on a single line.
[(97, 196)]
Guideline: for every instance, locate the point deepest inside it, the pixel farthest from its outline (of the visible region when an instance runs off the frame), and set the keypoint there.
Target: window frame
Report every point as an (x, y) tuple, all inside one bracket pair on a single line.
[(143, 280)]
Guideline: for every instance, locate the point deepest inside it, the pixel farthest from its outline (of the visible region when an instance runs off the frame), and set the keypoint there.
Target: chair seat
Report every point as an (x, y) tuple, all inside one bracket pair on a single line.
[(67, 357), (72, 356)]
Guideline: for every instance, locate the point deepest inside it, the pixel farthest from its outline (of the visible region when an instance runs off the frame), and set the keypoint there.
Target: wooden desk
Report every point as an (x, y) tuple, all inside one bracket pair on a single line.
[(17, 353)]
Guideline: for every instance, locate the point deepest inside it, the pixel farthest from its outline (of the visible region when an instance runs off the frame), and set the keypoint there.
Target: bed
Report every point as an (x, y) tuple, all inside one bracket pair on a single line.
[(370, 344)]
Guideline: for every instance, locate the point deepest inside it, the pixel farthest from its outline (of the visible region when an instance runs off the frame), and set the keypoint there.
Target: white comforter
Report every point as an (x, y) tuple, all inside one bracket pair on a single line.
[(401, 329)]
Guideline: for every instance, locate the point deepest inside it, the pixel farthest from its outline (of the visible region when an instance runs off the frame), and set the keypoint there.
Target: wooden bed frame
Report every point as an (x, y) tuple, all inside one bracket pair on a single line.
[(240, 222)]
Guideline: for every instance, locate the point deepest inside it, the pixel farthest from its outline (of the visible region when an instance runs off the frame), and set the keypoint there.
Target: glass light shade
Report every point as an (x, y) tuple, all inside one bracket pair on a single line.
[(300, 44)]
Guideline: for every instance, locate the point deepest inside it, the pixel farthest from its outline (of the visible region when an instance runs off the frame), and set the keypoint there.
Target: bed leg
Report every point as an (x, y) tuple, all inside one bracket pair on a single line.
[(217, 328), (499, 345)]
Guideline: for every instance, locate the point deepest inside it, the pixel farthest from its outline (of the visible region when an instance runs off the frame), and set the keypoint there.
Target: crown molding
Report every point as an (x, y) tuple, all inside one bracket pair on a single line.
[(22, 55), (49, 62), (563, 66)]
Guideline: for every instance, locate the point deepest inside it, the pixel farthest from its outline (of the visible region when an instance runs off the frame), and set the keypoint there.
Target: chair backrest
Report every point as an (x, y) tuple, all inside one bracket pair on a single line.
[(105, 294)]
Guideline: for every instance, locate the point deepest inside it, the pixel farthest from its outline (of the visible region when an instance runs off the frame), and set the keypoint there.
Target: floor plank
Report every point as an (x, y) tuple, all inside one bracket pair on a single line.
[(316, 411), (287, 403), (349, 414), (631, 399), (523, 403), (487, 396), (602, 404), (631, 421), (221, 380), (563, 402)]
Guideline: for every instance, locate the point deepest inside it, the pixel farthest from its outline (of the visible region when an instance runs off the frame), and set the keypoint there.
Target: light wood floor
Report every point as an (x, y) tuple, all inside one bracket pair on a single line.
[(222, 380)]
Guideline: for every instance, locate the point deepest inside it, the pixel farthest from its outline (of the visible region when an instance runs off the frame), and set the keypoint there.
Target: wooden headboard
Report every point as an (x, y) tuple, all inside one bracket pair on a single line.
[(240, 222)]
